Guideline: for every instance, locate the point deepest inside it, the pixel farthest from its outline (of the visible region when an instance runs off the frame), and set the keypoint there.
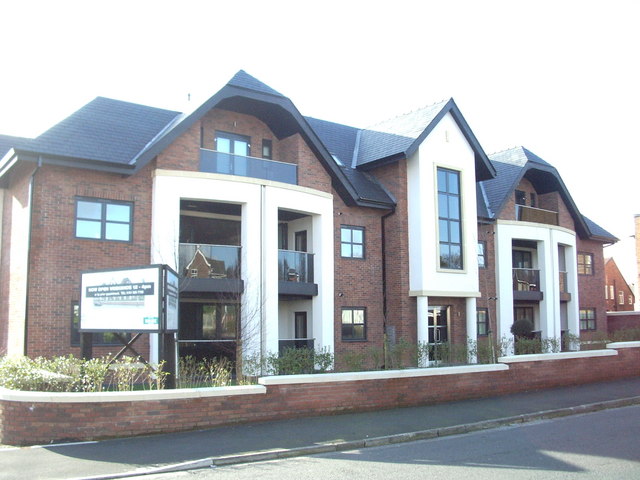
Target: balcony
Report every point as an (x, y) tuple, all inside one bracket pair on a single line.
[(295, 273), (526, 284), (565, 296), (212, 161), (209, 268), (536, 215)]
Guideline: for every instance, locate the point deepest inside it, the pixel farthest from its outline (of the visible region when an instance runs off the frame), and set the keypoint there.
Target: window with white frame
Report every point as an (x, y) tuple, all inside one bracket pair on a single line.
[(352, 241), (449, 219)]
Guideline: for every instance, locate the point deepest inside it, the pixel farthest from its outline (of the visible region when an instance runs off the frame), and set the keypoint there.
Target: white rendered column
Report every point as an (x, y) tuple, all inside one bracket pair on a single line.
[(472, 327)]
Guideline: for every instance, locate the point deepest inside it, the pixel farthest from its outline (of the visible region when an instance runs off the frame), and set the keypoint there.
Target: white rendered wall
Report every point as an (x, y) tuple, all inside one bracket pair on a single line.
[(547, 238), (445, 147), (260, 201)]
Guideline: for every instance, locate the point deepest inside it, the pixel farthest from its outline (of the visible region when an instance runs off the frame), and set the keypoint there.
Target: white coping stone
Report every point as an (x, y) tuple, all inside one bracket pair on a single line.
[(542, 357), (378, 374), (144, 395), (623, 345)]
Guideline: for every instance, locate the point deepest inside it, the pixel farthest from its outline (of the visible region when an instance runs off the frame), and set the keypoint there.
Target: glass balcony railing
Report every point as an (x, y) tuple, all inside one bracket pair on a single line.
[(526, 280), (295, 266), (198, 260), (212, 161), (536, 215)]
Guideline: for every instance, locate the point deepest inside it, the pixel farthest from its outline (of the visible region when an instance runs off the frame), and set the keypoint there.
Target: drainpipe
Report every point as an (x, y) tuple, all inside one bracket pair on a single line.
[(384, 280), (26, 306), (261, 305)]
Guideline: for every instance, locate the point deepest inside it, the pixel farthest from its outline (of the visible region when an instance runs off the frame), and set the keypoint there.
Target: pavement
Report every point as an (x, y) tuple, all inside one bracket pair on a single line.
[(127, 457)]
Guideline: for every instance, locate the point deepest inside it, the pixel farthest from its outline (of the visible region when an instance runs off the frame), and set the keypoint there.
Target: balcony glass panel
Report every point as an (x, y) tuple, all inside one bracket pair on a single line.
[(217, 162), (526, 280), (536, 215), (295, 266), (209, 261), (563, 283)]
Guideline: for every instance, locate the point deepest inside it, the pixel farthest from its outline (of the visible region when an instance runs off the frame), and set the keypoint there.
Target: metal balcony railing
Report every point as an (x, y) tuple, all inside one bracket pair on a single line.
[(212, 161), (295, 266), (526, 279)]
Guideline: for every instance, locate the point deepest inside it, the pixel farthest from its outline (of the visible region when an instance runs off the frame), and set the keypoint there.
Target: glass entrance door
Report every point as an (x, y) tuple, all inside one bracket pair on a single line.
[(438, 331)]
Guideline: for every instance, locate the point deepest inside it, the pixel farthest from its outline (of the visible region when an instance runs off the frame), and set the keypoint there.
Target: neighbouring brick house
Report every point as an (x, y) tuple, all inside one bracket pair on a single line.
[(291, 231), (618, 293)]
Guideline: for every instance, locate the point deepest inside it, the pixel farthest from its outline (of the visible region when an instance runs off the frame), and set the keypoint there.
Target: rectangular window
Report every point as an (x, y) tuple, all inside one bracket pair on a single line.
[(482, 254), (587, 319), (482, 316), (534, 199), (267, 149), (354, 324), (449, 219), (521, 197), (611, 294), (585, 264), (621, 297), (99, 338), (352, 242), (103, 219)]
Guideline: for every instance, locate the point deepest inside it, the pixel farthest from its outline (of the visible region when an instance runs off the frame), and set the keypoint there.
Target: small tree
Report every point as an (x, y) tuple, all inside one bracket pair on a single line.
[(522, 328)]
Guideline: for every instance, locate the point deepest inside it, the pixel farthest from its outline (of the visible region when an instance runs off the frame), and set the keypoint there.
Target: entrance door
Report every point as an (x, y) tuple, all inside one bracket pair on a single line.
[(301, 324), (438, 331)]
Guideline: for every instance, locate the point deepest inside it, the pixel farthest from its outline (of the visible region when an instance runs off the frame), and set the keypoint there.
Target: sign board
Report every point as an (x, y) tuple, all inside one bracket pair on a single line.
[(138, 299)]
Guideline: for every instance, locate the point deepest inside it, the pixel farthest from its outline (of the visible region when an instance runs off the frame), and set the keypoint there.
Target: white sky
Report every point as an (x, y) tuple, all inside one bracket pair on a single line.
[(561, 78)]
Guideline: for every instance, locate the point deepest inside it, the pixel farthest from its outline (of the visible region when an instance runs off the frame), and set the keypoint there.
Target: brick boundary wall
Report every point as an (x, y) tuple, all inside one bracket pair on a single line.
[(28, 418), (622, 321)]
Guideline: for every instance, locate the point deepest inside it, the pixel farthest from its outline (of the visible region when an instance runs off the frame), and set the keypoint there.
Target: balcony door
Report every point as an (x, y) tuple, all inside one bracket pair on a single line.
[(522, 259), (233, 150)]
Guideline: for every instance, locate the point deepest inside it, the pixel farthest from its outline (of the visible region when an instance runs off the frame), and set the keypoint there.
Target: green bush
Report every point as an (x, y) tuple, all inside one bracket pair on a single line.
[(70, 374), (209, 372)]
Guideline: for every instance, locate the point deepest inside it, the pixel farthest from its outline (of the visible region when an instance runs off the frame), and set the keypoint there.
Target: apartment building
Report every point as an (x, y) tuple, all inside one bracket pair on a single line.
[(290, 231)]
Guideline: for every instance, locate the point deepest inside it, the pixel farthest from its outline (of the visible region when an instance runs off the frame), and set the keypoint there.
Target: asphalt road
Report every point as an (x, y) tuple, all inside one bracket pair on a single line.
[(600, 445)]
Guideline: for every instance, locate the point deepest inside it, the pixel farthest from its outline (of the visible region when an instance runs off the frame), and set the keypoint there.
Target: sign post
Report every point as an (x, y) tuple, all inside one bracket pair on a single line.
[(133, 300)]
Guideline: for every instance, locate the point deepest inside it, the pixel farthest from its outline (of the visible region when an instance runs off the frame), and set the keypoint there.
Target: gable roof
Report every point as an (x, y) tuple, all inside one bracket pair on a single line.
[(400, 137), (512, 166)]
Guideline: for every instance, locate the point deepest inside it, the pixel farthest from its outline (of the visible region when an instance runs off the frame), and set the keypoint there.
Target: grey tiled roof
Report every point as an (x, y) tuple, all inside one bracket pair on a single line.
[(105, 130), (395, 136), (243, 80), (8, 142), (511, 165), (341, 142), (597, 231), (499, 188)]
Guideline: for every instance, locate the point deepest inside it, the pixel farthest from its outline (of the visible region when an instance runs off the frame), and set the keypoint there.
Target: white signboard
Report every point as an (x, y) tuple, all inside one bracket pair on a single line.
[(128, 300), (172, 288)]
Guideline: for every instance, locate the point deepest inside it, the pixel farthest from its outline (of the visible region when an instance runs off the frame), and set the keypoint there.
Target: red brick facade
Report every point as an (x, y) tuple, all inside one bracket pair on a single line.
[(619, 296), (379, 282), (591, 287)]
